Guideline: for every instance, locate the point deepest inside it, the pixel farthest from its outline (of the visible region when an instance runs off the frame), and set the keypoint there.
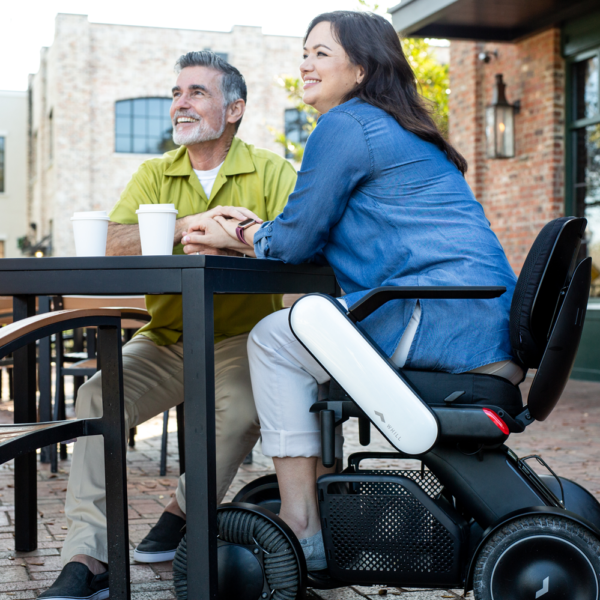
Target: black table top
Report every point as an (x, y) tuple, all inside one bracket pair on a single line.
[(156, 262), (120, 275)]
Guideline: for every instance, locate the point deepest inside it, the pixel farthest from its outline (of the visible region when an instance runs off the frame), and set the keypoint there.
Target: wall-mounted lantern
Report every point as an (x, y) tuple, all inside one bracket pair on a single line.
[(500, 123)]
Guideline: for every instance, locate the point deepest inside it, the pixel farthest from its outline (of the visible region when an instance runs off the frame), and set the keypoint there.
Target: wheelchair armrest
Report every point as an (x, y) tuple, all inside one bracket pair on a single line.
[(378, 297)]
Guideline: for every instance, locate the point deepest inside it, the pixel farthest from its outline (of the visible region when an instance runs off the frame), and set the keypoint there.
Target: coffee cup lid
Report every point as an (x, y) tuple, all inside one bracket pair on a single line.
[(90, 214), (162, 208)]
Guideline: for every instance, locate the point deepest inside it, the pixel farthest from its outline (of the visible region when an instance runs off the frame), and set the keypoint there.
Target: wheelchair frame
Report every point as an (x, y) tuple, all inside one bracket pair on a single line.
[(477, 511)]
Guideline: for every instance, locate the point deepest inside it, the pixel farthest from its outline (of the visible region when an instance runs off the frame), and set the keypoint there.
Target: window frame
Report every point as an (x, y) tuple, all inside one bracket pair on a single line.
[(573, 125), (147, 118)]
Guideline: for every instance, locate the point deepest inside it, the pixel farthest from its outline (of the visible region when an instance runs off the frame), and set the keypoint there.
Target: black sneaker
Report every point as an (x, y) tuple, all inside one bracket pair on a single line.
[(77, 582), (162, 540)]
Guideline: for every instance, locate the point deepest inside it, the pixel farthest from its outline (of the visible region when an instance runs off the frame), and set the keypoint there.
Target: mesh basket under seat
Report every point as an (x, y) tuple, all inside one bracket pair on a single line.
[(390, 528)]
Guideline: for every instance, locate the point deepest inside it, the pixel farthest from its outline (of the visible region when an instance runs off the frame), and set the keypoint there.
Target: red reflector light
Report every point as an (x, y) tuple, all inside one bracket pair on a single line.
[(498, 422)]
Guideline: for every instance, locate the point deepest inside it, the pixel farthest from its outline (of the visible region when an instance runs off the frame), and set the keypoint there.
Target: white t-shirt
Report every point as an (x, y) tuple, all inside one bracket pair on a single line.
[(207, 179)]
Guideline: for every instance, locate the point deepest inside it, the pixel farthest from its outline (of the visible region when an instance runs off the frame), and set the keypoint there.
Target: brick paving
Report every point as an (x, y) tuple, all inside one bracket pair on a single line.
[(568, 441)]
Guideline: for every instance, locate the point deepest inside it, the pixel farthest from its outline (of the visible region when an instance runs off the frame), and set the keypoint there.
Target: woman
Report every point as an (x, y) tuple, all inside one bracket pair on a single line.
[(381, 196)]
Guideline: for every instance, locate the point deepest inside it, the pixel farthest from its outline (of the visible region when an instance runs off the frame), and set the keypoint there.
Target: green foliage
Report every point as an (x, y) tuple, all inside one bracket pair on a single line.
[(432, 79), (23, 243), (364, 5)]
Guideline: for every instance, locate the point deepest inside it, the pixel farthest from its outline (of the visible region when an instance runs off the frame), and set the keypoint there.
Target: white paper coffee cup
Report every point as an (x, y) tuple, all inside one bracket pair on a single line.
[(90, 230), (157, 228)]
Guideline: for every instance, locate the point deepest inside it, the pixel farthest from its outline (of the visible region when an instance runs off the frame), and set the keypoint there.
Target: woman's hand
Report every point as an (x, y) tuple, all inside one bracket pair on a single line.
[(229, 225), (230, 212), (207, 236)]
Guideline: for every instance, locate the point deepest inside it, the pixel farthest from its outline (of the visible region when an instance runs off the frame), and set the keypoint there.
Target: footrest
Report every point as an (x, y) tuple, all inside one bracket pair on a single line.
[(385, 529)]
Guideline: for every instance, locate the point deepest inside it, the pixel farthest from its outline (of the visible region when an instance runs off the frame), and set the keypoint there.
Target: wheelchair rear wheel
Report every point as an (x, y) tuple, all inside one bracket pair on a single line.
[(547, 556)]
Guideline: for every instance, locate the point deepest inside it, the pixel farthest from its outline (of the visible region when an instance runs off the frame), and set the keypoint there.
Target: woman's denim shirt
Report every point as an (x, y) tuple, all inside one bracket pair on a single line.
[(384, 207)]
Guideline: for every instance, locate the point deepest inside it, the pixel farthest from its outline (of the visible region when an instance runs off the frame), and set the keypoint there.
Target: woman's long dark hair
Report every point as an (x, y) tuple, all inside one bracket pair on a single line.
[(389, 83)]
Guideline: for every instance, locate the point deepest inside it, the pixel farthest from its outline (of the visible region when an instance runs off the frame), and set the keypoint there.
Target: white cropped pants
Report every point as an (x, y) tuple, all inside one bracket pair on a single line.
[(285, 383)]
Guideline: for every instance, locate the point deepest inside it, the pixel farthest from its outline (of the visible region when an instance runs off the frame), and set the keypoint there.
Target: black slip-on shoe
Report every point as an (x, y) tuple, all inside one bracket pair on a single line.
[(77, 582), (162, 540)]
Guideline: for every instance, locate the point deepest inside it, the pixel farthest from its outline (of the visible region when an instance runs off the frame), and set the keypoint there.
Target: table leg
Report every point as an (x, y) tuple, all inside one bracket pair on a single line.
[(113, 425), (25, 412), (44, 377), (199, 395)]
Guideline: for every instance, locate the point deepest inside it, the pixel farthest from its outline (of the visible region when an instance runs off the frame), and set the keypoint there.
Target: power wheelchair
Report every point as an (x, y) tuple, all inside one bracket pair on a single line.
[(475, 515)]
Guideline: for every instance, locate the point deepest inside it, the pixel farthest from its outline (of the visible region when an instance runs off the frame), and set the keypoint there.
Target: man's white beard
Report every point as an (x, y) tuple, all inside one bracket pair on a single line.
[(201, 132)]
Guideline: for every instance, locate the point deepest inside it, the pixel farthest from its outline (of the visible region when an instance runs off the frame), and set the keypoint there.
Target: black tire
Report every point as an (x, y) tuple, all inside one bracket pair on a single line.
[(546, 557), (243, 532)]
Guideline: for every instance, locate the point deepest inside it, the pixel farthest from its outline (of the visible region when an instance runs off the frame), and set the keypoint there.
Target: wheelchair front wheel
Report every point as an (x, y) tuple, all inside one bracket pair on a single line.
[(263, 492), (545, 557), (258, 557)]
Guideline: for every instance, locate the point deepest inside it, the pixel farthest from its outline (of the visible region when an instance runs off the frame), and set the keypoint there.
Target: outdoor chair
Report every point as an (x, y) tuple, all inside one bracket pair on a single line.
[(85, 364), (6, 363), (20, 439), (474, 514)]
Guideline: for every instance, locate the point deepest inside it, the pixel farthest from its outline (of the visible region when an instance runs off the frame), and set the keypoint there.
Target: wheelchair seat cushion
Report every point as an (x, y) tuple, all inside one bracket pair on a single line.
[(486, 390)]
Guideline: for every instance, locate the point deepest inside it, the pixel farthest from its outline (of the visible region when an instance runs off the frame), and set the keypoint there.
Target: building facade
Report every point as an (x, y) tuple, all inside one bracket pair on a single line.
[(13, 171), (521, 194), (99, 108), (548, 54)]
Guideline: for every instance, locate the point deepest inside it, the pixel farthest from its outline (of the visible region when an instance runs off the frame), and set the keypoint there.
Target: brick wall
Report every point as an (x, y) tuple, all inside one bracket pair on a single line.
[(521, 194)]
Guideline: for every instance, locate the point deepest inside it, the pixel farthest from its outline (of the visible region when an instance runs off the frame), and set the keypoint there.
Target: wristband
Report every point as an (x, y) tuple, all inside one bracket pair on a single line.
[(239, 230), (240, 235)]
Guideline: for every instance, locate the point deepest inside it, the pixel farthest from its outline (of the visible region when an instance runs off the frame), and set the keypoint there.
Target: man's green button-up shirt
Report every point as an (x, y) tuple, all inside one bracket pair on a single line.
[(251, 177)]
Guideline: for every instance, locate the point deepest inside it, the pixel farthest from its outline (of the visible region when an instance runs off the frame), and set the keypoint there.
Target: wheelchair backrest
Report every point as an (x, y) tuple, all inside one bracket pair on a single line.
[(539, 292), (548, 310), (558, 359)]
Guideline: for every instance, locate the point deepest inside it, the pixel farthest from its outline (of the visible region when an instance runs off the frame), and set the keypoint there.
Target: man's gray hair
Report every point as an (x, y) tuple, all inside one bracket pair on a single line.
[(233, 84)]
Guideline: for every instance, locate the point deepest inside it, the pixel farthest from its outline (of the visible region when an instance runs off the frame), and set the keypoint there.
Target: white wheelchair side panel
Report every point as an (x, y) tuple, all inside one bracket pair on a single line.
[(372, 383)]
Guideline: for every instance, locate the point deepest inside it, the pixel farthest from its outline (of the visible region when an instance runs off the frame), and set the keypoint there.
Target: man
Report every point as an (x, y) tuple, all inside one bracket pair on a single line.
[(212, 173)]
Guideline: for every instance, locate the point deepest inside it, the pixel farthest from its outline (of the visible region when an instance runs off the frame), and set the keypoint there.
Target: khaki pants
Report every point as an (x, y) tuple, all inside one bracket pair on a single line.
[(153, 383)]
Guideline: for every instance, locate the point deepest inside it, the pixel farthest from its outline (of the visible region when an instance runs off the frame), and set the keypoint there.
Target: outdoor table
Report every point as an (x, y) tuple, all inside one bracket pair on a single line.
[(196, 278)]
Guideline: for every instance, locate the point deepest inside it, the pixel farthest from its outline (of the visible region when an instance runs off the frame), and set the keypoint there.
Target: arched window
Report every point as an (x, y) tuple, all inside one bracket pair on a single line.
[(143, 126)]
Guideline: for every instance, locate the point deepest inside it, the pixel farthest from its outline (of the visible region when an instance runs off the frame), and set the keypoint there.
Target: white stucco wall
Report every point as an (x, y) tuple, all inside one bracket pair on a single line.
[(13, 201)]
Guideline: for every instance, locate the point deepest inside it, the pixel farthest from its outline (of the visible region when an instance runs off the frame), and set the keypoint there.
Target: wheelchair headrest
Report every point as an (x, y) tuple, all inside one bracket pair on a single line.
[(537, 298)]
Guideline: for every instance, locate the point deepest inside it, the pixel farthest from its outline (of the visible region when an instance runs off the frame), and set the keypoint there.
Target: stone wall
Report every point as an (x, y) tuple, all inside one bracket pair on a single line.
[(90, 66), (13, 198), (520, 194)]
